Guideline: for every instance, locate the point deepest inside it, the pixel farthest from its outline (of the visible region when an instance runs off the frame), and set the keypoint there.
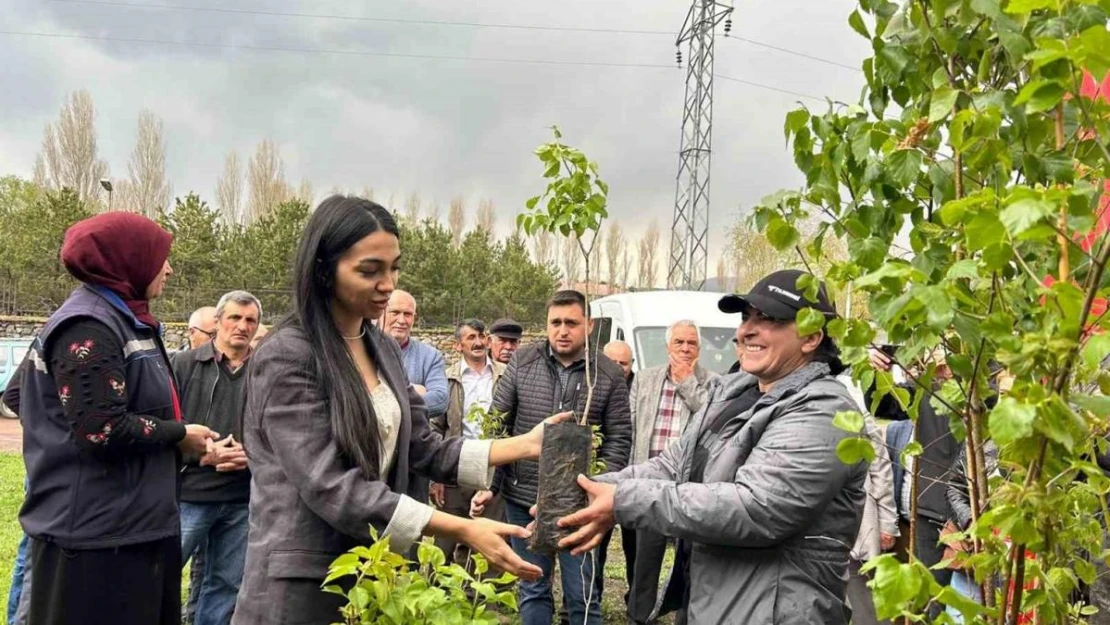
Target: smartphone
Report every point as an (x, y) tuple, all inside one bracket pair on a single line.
[(896, 371)]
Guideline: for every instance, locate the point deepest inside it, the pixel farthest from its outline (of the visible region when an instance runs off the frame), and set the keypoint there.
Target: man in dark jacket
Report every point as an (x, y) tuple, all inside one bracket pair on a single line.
[(544, 378), (934, 474), (215, 489)]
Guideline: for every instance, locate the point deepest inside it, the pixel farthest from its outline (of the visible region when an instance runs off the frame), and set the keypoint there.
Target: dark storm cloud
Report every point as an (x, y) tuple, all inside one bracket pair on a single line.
[(439, 127)]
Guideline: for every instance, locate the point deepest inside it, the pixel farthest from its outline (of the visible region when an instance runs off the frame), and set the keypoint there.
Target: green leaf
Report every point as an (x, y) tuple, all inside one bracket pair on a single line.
[(781, 234), (1096, 350), (938, 306), (904, 166), (1040, 95), (969, 608), (1011, 420), (860, 334), (1021, 7), (855, 20), (850, 421), (870, 253), (984, 230), (942, 102), (894, 270), (795, 121), (967, 268), (809, 321), (989, 8), (854, 449), (1060, 423), (1099, 405), (913, 449)]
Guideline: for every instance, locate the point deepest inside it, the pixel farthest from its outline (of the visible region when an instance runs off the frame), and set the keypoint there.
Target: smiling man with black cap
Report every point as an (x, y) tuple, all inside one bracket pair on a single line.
[(763, 510)]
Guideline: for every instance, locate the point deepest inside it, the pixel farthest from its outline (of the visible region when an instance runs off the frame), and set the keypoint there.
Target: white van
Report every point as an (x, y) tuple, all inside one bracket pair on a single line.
[(641, 319)]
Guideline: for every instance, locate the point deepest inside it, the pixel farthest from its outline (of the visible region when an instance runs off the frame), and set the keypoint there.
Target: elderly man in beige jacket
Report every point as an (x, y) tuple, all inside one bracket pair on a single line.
[(879, 527), (662, 400)]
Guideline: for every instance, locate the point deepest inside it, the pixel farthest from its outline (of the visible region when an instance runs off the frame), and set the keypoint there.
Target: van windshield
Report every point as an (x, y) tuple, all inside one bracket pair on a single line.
[(718, 353)]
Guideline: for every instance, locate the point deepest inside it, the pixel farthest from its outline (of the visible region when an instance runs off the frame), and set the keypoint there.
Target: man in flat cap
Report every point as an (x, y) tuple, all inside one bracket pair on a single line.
[(504, 339)]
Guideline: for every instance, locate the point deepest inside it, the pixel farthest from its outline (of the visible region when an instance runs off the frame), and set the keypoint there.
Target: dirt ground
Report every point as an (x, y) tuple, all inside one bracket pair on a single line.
[(11, 436)]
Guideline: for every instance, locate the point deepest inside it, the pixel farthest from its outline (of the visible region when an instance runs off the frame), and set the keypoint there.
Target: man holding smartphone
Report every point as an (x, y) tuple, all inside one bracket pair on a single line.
[(940, 449)]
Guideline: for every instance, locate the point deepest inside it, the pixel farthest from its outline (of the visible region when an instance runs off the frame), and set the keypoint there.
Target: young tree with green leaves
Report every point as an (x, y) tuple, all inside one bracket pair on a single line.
[(973, 146), (574, 205)]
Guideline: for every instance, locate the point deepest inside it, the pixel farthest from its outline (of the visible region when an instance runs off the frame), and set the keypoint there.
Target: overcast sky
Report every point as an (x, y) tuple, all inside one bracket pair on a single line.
[(439, 127)]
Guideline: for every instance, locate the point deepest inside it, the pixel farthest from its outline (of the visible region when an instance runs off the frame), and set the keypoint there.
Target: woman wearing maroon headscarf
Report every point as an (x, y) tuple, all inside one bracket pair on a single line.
[(102, 437)]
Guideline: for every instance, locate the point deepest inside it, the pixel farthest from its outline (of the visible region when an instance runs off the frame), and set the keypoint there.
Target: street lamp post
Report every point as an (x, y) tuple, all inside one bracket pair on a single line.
[(107, 184)]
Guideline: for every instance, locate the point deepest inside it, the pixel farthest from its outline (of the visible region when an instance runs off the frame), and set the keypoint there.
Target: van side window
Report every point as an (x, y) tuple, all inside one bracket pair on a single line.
[(601, 333)]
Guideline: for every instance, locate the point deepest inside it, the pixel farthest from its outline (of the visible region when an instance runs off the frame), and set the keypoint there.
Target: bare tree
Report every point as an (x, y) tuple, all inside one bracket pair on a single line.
[(150, 193), (412, 207), (39, 176), (572, 261), (722, 273), (614, 249), (229, 190), (456, 220), (434, 212), (305, 192), (753, 257), (626, 268), (69, 156), (543, 248), (649, 246), (266, 179), (125, 197), (486, 219), (367, 193), (597, 242)]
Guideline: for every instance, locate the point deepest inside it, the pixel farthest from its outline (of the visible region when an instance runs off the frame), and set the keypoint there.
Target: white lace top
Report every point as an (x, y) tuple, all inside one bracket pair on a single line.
[(388, 412)]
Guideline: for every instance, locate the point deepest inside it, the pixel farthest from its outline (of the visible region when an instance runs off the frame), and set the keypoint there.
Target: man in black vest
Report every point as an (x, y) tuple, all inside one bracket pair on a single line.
[(215, 489)]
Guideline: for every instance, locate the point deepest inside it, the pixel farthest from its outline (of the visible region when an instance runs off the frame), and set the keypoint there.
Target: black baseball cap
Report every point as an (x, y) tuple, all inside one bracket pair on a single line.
[(778, 297), (507, 329)]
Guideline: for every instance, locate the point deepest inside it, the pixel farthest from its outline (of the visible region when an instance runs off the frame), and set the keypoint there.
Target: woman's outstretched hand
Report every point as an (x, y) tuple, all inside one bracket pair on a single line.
[(490, 538), (534, 438), (525, 446)]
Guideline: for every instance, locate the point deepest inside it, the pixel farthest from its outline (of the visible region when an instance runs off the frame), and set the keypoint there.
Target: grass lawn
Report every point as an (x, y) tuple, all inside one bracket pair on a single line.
[(11, 497)]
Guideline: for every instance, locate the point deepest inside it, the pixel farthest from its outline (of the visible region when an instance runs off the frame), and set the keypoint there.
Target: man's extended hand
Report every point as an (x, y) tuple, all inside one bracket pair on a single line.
[(593, 521), (886, 541), (438, 494), (479, 501)]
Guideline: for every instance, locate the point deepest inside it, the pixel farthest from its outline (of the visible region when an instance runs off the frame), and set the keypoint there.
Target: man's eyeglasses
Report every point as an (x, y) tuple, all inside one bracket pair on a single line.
[(211, 335)]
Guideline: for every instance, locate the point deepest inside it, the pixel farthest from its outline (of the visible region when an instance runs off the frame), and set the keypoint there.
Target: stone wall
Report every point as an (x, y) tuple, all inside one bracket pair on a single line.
[(175, 336)]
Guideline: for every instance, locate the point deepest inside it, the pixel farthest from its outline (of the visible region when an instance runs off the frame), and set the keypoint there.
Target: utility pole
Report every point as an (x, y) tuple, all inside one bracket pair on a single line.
[(690, 227)]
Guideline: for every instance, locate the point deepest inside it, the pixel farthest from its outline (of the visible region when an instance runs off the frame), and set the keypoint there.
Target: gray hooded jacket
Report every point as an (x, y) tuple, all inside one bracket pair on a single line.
[(772, 525)]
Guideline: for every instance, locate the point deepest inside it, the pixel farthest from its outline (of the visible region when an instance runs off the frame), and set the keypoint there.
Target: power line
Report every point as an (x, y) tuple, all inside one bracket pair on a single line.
[(356, 18), (795, 53), (429, 57), (769, 87), (488, 25), (399, 55)]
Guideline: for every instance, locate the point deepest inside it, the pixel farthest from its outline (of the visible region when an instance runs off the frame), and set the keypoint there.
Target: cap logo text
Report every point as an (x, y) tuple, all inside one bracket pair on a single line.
[(796, 298)]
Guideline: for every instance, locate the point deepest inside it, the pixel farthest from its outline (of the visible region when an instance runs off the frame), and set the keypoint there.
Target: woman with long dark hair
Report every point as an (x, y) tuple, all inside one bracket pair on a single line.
[(336, 433), (102, 432)]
